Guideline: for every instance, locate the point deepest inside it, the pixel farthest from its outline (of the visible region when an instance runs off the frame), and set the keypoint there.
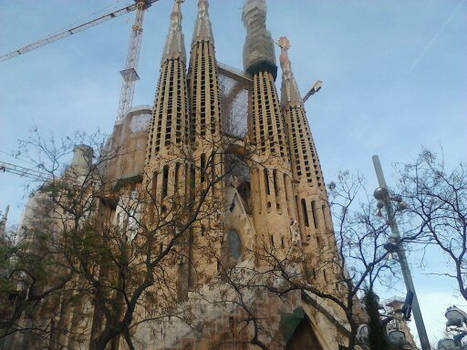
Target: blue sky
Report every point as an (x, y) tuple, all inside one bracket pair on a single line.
[(394, 76)]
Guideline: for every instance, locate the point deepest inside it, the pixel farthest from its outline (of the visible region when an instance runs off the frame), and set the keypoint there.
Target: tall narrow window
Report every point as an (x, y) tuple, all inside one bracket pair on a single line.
[(315, 214), (177, 177), (297, 208), (286, 188), (165, 180), (305, 213), (203, 167), (266, 181), (192, 181), (212, 164), (187, 181)]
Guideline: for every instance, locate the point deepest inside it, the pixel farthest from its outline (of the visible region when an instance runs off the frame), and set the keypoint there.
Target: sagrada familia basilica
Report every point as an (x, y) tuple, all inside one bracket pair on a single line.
[(227, 145)]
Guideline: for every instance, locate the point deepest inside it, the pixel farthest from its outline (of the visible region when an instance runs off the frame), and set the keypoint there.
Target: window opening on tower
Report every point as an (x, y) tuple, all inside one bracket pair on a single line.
[(266, 181), (305, 213), (203, 167), (177, 176), (192, 181), (285, 188), (165, 181)]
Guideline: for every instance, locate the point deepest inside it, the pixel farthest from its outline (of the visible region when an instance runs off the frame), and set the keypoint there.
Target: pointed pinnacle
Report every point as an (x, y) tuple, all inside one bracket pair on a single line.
[(203, 29), (175, 46), (290, 92)]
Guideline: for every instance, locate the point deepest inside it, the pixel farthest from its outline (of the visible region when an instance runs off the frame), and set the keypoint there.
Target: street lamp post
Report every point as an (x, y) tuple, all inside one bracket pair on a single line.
[(457, 324), (394, 244)]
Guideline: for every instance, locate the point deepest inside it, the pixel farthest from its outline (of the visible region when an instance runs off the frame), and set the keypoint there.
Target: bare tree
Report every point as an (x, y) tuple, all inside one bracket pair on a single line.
[(117, 245), (437, 205), (352, 262), (114, 247)]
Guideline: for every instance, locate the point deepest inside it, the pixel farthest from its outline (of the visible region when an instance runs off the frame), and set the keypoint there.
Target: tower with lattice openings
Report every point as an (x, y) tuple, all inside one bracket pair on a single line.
[(271, 180), (314, 217)]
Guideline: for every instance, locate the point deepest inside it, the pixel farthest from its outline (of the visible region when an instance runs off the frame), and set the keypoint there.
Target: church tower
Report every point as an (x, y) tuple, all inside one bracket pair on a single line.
[(271, 185), (168, 139), (309, 190), (203, 83), (168, 164), (169, 129), (207, 146)]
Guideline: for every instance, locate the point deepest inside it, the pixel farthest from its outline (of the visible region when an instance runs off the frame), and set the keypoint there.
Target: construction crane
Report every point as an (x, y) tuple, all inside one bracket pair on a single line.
[(34, 174), (129, 73)]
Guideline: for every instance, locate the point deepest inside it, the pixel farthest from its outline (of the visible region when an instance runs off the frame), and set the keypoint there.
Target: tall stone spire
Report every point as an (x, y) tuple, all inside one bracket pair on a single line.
[(203, 30), (206, 145), (175, 45), (203, 82), (309, 191), (305, 162), (167, 166), (169, 128), (271, 185), (258, 50), (289, 90)]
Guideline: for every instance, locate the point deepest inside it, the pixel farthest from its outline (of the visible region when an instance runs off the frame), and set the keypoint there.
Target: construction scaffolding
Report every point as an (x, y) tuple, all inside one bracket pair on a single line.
[(234, 86)]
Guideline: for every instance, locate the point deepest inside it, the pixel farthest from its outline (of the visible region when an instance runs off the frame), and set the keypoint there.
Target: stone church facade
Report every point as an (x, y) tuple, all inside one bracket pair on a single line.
[(232, 137)]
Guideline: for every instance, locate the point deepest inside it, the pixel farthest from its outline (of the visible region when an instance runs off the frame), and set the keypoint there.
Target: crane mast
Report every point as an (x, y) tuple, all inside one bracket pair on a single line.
[(129, 74)]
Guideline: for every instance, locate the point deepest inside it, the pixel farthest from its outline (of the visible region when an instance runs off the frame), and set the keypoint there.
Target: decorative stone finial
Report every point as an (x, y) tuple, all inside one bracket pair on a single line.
[(289, 89), (284, 44), (175, 45), (258, 50), (203, 29)]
